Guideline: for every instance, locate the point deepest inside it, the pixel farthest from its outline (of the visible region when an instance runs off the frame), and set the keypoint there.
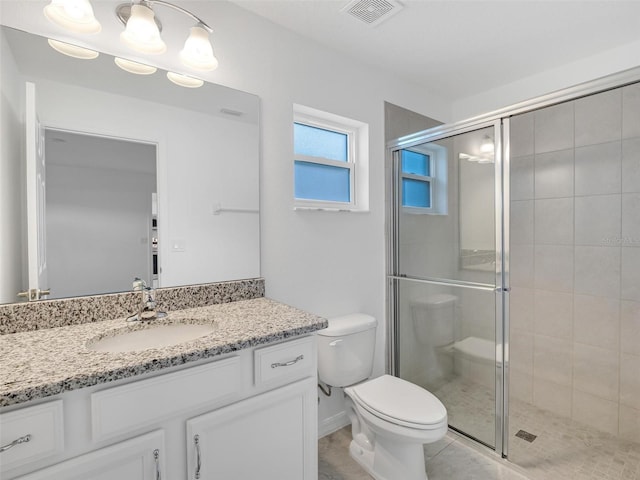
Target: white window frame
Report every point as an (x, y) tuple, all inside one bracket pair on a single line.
[(357, 161)]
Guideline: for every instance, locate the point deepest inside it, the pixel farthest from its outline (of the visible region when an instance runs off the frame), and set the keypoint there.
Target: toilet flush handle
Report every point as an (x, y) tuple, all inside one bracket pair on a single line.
[(336, 343)]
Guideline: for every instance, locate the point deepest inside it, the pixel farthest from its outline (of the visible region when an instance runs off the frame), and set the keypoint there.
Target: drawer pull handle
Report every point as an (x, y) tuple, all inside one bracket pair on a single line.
[(156, 455), (17, 441), (196, 440), (289, 363)]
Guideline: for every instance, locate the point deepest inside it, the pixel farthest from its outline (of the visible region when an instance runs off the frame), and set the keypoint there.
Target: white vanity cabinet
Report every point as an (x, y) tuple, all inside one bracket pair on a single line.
[(254, 413), (137, 458), (270, 436)]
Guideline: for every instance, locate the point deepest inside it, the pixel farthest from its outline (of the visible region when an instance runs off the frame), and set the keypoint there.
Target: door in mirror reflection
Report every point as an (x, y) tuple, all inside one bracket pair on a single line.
[(100, 221)]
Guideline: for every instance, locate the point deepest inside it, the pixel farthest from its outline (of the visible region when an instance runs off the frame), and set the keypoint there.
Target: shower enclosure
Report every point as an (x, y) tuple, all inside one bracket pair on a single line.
[(514, 274)]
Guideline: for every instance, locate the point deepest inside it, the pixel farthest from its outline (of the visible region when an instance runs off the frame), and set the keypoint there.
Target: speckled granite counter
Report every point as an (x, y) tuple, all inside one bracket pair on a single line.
[(47, 362)]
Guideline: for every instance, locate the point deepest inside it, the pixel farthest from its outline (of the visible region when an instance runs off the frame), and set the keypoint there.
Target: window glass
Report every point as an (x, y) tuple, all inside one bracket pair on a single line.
[(322, 182), (415, 163), (416, 193), (318, 142)]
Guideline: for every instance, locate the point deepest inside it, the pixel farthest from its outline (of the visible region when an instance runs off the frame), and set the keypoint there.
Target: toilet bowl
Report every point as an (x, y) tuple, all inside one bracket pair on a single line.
[(398, 418), (391, 418)]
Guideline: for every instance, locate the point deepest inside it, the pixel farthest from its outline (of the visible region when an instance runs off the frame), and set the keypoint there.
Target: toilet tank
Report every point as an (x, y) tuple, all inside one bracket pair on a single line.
[(434, 318), (345, 349)]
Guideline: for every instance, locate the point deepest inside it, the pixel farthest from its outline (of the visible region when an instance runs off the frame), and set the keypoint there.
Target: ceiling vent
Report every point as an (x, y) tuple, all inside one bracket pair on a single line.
[(372, 12)]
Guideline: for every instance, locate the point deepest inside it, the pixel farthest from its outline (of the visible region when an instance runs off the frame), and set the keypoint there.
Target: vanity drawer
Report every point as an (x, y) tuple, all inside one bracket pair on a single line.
[(41, 424), (143, 403), (285, 361)]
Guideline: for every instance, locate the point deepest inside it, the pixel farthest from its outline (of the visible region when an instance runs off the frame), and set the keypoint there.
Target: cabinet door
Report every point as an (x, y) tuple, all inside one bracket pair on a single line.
[(272, 436), (141, 458)]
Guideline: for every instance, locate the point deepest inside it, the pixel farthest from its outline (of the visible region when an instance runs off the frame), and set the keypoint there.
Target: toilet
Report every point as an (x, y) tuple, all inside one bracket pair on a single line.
[(434, 318), (391, 418)]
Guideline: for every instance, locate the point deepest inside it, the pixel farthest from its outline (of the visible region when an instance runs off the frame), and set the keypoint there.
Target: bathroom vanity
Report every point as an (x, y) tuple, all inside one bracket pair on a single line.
[(238, 402)]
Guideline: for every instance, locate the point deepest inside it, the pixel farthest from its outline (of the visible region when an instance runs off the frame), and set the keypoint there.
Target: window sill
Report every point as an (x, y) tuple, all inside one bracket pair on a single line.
[(303, 208)]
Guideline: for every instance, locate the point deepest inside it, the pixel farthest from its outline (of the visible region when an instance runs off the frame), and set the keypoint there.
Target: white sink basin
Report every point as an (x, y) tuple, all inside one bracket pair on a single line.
[(155, 337)]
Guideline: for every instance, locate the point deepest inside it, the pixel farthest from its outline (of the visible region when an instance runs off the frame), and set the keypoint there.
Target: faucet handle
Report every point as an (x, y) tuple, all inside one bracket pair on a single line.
[(139, 284)]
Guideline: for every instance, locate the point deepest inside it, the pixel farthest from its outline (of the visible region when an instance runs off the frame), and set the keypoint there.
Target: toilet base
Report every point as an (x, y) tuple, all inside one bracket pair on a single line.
[(382, 464)]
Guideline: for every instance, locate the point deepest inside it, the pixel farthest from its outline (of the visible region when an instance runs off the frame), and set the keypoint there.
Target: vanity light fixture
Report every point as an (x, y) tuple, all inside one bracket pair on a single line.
[(142, 33), (72, 50), (184, 80), (134, 67), (73, 15)]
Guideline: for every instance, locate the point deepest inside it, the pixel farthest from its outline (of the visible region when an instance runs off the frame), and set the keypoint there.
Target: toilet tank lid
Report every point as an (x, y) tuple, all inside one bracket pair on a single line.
[(347, 324)]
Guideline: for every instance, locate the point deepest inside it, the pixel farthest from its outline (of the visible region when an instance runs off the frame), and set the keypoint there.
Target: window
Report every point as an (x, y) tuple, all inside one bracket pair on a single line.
[(423, 179), (329, 161), (416, 179)]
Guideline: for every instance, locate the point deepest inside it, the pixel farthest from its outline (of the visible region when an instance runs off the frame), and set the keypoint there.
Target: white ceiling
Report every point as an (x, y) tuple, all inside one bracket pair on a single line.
[(453, 48), (458, 48)]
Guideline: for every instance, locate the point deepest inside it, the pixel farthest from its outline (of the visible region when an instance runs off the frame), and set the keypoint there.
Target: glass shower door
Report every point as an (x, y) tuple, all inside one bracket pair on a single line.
[(447, 280)]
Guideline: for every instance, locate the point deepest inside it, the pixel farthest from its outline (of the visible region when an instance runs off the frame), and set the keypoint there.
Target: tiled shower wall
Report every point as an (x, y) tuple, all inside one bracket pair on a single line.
[(575, 260)]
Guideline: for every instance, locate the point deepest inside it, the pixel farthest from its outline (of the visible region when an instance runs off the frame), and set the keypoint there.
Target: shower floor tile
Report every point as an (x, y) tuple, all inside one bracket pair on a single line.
[(452, 458), (562, 450)]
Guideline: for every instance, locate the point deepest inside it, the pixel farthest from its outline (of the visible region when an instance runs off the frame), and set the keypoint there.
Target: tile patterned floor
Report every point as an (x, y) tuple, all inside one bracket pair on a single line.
[(563, 449), (452, 458), (567, 450)]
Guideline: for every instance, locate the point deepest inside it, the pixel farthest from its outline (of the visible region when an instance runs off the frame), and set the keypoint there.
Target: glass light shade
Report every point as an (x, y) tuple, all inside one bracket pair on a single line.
[(487, 145), (141, 33), (72, 50), (74, 15), (184, 80), (198, 52), (134, 67)]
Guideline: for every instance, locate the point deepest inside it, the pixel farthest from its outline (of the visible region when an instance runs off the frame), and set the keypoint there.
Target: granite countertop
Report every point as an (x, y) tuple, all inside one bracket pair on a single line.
[(47, 362)]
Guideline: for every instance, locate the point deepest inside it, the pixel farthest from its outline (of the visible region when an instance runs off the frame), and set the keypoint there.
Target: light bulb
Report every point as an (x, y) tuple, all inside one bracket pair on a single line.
[(198, 52), (74, 15), (141, 33)]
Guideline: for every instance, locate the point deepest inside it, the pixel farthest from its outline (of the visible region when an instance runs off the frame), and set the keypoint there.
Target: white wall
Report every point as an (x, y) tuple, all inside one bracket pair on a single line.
[(11, 135), (564, 76), (326, 263)]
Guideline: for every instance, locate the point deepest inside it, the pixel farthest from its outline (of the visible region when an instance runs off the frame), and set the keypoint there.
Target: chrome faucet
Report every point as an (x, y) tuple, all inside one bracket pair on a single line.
[(147, 307)]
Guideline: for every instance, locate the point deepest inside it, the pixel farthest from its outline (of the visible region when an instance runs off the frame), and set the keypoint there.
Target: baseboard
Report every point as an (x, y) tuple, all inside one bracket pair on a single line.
[(333, 423)]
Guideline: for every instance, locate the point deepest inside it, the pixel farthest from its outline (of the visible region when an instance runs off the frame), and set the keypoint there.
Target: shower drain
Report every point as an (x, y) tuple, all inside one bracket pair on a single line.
[(529, 437)]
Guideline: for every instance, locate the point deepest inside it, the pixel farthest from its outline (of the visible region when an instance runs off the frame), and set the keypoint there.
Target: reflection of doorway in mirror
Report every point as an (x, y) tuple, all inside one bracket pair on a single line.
[(100, 212), (155, 264)]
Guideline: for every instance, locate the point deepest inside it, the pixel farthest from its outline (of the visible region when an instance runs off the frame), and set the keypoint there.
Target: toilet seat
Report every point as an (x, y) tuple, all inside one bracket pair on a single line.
[(400, 402)]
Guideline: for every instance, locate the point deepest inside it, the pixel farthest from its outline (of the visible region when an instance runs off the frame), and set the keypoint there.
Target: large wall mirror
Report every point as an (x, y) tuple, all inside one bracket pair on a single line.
[(139, 177)]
